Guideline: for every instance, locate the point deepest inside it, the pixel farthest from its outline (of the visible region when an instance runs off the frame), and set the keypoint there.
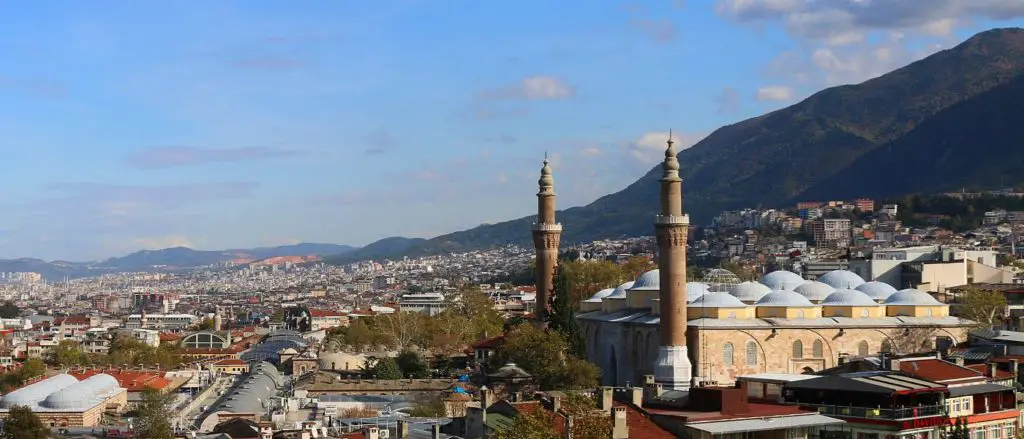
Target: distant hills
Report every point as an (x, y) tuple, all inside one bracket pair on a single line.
[(948, 121), (176, 258)]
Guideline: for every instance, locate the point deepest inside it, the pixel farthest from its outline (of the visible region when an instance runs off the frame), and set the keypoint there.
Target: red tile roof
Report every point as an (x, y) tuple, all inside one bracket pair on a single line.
[(934, 369), (531, 407), (982, 369), (641, 426), (134, 381), (490, 342), (325, 313)]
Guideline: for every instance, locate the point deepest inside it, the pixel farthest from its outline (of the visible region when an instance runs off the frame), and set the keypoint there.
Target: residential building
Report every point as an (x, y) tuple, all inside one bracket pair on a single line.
[(831, 232)]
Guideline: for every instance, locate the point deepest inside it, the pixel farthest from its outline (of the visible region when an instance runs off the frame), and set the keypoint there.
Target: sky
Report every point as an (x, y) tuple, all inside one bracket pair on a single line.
[(128, 125)]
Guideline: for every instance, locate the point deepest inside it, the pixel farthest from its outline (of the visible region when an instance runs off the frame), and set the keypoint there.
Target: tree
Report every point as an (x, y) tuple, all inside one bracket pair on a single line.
[(359, 335), (545, 355), (985, 307), (537, 424), (412, 364), (9, 310), (563, 315), (400, 329), (588, 421), (383, 369), (22, 423), (154, 415), (206, 325), (68, 353)]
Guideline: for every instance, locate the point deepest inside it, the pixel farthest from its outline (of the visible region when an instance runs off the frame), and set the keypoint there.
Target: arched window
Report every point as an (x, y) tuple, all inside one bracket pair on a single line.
[(886, 346), (798, 349), (727, 354), (799, 313), (816, 349), (865, 313), (751, 353), (862, 348), (927, 312)]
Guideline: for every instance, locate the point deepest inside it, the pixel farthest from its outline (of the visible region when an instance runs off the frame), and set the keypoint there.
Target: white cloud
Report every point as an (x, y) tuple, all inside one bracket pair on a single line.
[(590, 151), (828, 66), (774, 93), (650, 147), (838, 20), (531, 88)]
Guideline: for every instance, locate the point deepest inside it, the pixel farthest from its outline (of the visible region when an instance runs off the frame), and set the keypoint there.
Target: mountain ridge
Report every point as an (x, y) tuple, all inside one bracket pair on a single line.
[(813, 148)]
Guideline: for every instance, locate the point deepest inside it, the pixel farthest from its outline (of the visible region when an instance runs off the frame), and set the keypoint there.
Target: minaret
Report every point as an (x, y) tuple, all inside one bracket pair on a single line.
[(672, 368), (546, 235)]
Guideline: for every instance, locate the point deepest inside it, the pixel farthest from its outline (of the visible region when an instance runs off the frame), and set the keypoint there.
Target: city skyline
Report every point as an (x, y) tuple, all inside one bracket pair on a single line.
[(235, 125)]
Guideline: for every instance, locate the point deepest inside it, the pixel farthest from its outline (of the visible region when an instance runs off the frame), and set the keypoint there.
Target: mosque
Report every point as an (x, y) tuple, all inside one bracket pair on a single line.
[(710, 332)]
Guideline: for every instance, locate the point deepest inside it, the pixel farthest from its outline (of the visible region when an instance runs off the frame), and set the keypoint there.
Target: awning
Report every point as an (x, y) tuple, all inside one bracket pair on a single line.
[(762, 424), (977, 389)]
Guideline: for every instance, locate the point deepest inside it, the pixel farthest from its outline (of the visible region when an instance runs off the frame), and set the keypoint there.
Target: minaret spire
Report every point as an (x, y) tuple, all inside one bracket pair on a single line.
[(672, 368), (546, 236)]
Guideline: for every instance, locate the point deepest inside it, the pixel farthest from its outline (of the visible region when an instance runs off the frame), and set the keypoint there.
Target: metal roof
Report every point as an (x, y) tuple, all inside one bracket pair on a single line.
[(762, 424), (977, 389)]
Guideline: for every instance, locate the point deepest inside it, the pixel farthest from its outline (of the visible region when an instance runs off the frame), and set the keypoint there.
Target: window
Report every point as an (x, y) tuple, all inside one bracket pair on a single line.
[(995, 432), (862, 348), (798, 349), (751, 353), (979, 433), (732, 314), (927, 312), (865, 313), (727, 354), (1008, 431), (799, 313), (816, 349)]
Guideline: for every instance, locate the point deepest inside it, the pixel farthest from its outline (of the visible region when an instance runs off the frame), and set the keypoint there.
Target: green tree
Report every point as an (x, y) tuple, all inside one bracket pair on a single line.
[(22, 423), (563, 315), (9, 310), (153, 420), (359, 335), (206, 325), (985, 307), (588, 421), (538, 424), (412, 364), (545, 354), (383, 369), (68, 353)]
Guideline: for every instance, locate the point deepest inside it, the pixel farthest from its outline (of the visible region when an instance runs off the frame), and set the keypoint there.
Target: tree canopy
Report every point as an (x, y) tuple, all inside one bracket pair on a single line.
[(588, 422), (546, 355), (31, 368), (9, 310), (985, 307), (22, 423), (153, 420)]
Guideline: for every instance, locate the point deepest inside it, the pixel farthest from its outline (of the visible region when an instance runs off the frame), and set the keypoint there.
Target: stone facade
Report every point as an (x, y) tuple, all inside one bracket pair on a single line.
[(626, 351)]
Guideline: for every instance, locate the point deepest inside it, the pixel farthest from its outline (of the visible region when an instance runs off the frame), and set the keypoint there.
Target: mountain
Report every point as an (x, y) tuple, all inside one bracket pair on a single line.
[(946, 121), (168, 258), (379, 249), (183, 257)]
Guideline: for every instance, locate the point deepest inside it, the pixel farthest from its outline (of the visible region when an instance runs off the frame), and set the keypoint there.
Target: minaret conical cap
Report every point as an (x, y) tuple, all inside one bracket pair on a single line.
[(671, 164), (547, 181)]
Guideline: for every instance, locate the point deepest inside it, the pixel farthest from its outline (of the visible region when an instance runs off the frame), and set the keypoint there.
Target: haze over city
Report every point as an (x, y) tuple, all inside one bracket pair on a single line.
[(239, 124)]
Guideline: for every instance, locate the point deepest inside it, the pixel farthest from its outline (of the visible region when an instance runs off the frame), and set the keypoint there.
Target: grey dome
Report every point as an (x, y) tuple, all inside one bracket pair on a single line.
[(815, 291), (34, 393), (848, 297), (912, 297), (784, 298), (876, 290), (649, 281), (750, 291), (82, 394), (842, 279), (620, 291), (717, 300), (601, 295), (696, 289), (782, 280)]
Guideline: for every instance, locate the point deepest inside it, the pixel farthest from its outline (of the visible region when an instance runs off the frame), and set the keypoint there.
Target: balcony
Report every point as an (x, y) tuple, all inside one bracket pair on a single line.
[(672, 219), (547, 227), (923, 411)]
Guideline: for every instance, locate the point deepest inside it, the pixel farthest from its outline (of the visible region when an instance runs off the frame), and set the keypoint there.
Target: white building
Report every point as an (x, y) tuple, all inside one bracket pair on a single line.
[(160, 321), (430, 304)]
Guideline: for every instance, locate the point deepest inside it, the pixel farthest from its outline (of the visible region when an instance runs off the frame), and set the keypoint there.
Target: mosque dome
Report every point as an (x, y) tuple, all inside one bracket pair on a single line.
[(717, 300), (601, 295), (750, 291), (842, 279), (782, 280), (848, 297), (696, 289), (912, 297), (815, 291), (876, 290), (784, 298), (620, 291), (649, 281)]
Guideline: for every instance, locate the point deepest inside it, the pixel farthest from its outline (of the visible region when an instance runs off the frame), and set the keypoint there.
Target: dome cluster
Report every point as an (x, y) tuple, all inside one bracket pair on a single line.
[(839, 293), (63, 392)]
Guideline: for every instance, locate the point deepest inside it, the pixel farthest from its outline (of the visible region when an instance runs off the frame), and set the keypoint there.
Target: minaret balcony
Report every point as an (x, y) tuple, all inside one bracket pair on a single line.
[(547, 227), (671, 220)]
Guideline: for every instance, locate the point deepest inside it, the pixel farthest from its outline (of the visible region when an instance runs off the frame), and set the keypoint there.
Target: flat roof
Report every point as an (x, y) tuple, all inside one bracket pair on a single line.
[(762, 424)]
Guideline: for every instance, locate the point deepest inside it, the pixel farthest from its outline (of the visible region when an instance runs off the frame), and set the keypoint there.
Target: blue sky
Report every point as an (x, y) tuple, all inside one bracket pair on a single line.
[(225, 124)]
